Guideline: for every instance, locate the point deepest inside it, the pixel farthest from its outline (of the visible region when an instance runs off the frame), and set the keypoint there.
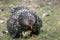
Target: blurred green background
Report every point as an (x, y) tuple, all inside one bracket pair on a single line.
[(48, 11)]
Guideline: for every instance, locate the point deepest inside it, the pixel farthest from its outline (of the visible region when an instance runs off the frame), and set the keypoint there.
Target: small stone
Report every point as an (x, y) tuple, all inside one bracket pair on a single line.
[(1, 21), (5, 31), (45, 15)]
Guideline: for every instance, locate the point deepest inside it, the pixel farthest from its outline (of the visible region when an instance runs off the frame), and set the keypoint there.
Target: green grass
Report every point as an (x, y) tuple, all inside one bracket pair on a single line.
[(51, 24)]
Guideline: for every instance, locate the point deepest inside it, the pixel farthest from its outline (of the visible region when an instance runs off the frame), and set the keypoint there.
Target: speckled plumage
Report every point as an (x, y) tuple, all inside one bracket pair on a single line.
[(19, 22)]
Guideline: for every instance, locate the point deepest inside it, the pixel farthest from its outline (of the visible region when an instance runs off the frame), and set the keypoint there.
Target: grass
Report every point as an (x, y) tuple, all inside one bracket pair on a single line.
[(51, 24)]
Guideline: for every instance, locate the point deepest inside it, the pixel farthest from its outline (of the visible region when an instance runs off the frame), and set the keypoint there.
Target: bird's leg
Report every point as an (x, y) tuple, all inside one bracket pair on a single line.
[(26, 33)]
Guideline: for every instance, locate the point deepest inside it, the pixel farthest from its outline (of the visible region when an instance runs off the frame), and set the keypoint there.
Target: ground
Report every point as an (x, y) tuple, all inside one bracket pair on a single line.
[(51, 23)]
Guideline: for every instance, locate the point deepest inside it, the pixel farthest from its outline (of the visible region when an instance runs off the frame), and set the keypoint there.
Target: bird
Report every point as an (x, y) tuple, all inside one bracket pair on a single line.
[(22, 22)]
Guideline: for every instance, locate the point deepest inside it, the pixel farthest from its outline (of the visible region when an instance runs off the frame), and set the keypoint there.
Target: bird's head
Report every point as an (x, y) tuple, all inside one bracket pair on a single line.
[(28, 19)]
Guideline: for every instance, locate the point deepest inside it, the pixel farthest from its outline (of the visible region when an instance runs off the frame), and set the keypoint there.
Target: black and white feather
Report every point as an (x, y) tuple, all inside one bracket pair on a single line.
[(20, 21)]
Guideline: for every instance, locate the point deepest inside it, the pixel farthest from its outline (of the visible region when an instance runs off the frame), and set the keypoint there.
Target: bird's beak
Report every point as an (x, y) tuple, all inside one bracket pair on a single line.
[(30, 25)]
